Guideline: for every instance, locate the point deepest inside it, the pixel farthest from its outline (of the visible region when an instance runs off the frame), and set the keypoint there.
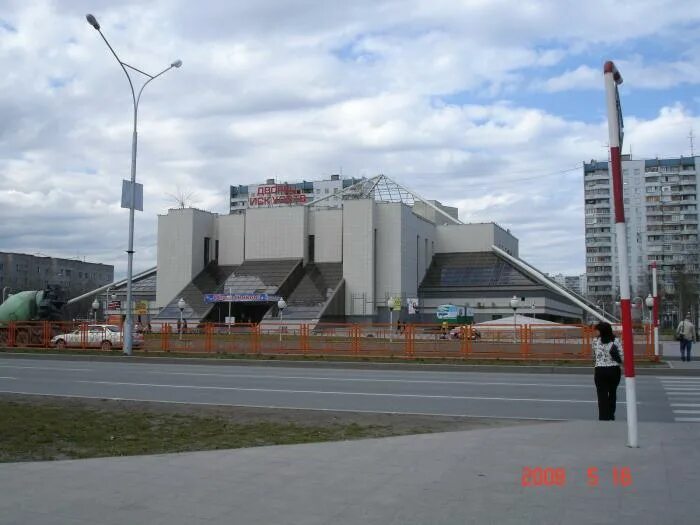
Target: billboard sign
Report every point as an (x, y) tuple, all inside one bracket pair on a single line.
[(265, 195)]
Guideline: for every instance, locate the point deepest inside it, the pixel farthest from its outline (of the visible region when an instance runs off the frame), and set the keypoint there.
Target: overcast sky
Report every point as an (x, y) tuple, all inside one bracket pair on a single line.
[(488, 105)]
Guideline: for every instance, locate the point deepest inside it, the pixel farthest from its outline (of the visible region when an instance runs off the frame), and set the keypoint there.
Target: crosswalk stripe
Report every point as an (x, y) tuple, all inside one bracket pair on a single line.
[(686, 411), (688, 419), (682, 394), (690, 405)]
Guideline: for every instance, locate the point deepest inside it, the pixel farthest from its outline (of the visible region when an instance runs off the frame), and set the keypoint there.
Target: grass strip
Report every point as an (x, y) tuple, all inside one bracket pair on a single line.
[(51, 431)]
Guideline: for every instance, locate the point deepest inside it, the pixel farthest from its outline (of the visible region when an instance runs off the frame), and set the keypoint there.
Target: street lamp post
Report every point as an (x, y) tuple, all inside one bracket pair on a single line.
[(95, 306), (514, 302), (281, 304), (181, 306), (649, 301), (128, 335)]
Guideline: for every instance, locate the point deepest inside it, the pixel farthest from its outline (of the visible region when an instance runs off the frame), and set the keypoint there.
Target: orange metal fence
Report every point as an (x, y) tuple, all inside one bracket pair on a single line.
[(334, 339)]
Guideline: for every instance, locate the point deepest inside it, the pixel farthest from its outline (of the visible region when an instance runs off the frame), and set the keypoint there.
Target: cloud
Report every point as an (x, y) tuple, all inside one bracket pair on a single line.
[(300, 89)]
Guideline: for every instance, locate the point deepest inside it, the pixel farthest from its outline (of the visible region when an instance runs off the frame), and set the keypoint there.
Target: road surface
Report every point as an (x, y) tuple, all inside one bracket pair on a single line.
[(503, 395)]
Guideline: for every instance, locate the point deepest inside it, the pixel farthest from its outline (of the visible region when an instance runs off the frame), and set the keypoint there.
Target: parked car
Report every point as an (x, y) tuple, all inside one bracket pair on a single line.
[(103, 336)]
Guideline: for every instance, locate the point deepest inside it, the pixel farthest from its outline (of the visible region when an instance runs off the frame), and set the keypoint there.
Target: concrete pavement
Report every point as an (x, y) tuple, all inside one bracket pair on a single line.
[(472, 477), (538, 396)]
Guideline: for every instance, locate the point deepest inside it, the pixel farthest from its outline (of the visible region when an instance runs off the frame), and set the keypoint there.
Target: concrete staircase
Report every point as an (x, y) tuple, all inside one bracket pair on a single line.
[(209, 280), (312, 295)]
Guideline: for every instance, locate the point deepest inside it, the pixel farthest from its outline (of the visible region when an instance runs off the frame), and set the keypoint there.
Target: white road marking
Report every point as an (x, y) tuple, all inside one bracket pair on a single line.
[(688, 419), (53, 369), (281, 407), (7, 377), (370, 380), (686, 411), (690, 405), (330, 392)]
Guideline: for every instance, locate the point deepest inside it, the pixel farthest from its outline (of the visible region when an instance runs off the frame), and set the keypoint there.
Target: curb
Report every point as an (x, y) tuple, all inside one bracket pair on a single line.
[(352, 365)]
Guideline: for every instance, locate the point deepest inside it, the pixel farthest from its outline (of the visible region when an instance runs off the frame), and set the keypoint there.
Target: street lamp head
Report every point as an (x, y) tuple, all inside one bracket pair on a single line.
[(177, 63), (95, 305), (650, 301), (514, 302), (181, 304), (93, 21), (281, 304)]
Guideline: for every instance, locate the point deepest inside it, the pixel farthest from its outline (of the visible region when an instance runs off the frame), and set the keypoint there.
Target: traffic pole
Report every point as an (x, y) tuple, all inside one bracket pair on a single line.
[(612, 80), (655, 315)]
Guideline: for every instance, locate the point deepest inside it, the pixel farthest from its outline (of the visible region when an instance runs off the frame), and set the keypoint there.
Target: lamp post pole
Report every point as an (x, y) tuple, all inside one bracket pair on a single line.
[(649, 301), (655, 291), (229, 310), (95, 306), (281, 304), (514, 302), (181, 306), (128, 333)]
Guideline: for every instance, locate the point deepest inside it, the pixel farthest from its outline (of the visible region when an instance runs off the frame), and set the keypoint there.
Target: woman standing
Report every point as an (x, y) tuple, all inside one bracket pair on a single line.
[(608, 357)]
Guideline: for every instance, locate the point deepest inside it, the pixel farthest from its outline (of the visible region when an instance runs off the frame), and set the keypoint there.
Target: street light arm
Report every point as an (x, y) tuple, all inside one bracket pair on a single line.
[(138, 98), (121, 64)]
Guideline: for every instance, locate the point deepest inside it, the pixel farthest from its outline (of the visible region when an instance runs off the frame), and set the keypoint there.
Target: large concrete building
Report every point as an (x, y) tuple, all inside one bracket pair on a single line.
[(343, 257), (21, 271), (660, 199)]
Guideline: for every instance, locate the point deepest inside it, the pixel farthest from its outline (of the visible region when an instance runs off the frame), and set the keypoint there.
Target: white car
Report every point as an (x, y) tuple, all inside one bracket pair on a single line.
[(103, 336)]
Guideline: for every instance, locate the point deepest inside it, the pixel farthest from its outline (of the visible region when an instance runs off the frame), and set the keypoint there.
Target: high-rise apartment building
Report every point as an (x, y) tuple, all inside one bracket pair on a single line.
[(660, 199), (575, 283)]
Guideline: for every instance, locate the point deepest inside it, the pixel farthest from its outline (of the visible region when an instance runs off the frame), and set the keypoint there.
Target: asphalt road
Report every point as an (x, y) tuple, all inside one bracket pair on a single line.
[(546, 396)]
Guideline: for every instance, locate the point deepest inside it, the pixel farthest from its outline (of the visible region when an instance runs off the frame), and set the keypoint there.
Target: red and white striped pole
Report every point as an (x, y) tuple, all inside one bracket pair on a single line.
[(612, 80), (655, 294)]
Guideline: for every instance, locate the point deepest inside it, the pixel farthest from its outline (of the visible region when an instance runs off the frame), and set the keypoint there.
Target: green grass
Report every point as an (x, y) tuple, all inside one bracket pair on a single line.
[(30, 431), (640, 362)]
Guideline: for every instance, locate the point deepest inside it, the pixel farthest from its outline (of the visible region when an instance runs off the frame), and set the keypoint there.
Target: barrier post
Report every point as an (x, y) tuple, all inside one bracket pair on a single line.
[(464, 333), (83, 336), (11, 334), (355, 334), (256, 333), (46, 334), (164, 337), (208, 337)]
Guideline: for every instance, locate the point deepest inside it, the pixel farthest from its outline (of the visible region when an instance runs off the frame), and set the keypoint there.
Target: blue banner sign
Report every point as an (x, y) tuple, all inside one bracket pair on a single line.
[(240, 298)]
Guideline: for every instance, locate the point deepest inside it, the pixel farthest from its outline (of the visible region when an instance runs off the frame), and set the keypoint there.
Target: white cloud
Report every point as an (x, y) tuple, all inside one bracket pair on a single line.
[(297, 90)]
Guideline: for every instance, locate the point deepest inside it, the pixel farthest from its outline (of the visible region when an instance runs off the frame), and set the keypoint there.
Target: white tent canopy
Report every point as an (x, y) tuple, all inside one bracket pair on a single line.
[(519, 320)]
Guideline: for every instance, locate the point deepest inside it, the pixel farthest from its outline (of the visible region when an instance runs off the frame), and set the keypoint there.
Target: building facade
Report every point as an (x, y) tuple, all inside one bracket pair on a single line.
[(344, 257), (575, 283), (274, 193), (660, 199), (20, 271)]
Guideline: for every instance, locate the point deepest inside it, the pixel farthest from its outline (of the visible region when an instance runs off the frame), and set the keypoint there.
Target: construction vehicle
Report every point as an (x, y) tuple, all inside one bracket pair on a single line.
[(32, 305)]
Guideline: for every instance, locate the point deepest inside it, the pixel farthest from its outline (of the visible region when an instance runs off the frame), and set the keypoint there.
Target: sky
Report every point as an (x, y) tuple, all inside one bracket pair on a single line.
[(488, 105)]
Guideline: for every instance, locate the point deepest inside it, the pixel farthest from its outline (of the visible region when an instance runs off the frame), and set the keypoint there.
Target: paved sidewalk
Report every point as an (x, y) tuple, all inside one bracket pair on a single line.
[(449, 478)]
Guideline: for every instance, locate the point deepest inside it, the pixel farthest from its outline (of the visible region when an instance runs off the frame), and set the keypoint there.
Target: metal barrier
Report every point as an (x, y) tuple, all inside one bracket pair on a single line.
[(410, 341)]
